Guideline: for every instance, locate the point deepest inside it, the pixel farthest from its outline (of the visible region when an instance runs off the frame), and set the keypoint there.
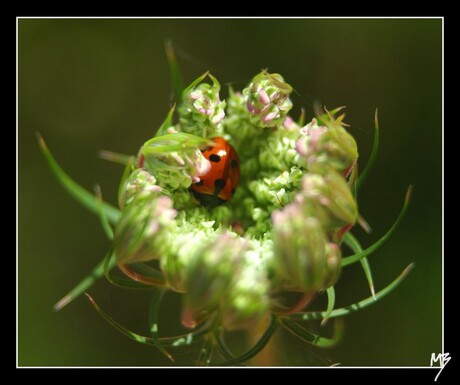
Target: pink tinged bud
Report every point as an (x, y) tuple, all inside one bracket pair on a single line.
[(288, 122), (301, 147), (164, 208), (269, 117), (315, 137), (263, 97), (152, 189), (218, 117), (203, 167), (195, 95), (252, 109), (177, 158)]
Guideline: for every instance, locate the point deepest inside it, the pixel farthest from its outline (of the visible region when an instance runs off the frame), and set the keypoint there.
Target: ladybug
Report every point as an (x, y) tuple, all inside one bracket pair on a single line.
[(219, 184)]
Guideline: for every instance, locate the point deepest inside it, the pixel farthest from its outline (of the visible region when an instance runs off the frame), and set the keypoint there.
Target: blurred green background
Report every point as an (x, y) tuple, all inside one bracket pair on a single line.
[(97, 84)]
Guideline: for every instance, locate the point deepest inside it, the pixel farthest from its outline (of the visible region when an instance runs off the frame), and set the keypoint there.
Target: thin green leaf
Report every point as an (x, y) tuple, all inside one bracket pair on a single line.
[(185, 339), (121, 187), (120, 281), (174, 69), (116, 157), (256, 349), (368, 273), (301, 121), (134, 336), (146, 270), (222, 346), (330, 304), (204, 358), (85, 284), (104, 222), (171, 341), (310, 337), (358, 305), (358, 256), (154, 313), (84, 197), (194, 83), (354, 245), (167, 123), (371, 160), (168, 143)]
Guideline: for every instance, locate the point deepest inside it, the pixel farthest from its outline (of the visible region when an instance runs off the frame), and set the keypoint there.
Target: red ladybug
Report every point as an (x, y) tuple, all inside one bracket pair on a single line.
[(220, 183)]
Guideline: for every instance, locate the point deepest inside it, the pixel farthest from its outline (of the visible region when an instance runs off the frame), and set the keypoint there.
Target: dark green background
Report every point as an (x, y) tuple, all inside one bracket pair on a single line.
[(104, 84)]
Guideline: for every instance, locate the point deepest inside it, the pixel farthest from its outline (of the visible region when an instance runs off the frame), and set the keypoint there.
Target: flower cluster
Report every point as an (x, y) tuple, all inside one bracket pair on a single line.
[(281, 231)]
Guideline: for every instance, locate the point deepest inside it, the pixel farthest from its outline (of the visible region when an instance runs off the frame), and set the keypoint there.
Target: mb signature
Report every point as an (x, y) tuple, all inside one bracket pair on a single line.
[(443, 359)]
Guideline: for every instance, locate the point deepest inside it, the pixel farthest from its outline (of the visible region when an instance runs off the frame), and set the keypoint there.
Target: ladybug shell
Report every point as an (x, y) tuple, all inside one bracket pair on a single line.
[(219, 184)]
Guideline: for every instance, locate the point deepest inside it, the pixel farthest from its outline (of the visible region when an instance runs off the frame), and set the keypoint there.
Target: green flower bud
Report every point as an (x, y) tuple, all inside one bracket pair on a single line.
[(328, 198), (139, 183), (176, 159), (202, 111), (303, 259), (267, 99), (237, 124), (247, 301), (328, 145), (209, 275), (143, 231)]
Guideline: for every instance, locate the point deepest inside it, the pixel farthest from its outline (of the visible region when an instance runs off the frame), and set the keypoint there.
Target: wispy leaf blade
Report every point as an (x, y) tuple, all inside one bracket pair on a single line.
[(312, 338), (176, 76), (154, 314), (116, 157), (358, 305), (370, 162), (134, 336), (110, 260), (330, 304), (255, 349), (102, 215), (358, 256), (85, 284), (354, 244), (84, 197)]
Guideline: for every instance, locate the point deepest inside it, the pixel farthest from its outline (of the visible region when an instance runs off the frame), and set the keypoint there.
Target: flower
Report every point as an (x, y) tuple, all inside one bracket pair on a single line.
[(287, 212), (201, 112), (267, 99), (143, 230), (280, 232)]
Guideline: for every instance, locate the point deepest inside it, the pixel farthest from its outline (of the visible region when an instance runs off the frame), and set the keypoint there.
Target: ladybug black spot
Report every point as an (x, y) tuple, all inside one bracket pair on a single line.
[(200, 183), (234, 163), (214, 158), (219, 184)]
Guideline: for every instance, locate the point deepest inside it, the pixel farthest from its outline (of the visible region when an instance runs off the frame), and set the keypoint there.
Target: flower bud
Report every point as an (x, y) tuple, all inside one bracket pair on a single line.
[(303, 257), (139, 183), (143, 231), (247, 301), (176, 159), (202, 111), (267, 99), (327, 144), (209, 275), (329, 198)]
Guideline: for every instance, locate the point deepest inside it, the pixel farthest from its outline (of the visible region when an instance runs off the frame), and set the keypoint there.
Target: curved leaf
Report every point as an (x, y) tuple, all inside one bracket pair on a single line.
[(356, 257), (358, 305)]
